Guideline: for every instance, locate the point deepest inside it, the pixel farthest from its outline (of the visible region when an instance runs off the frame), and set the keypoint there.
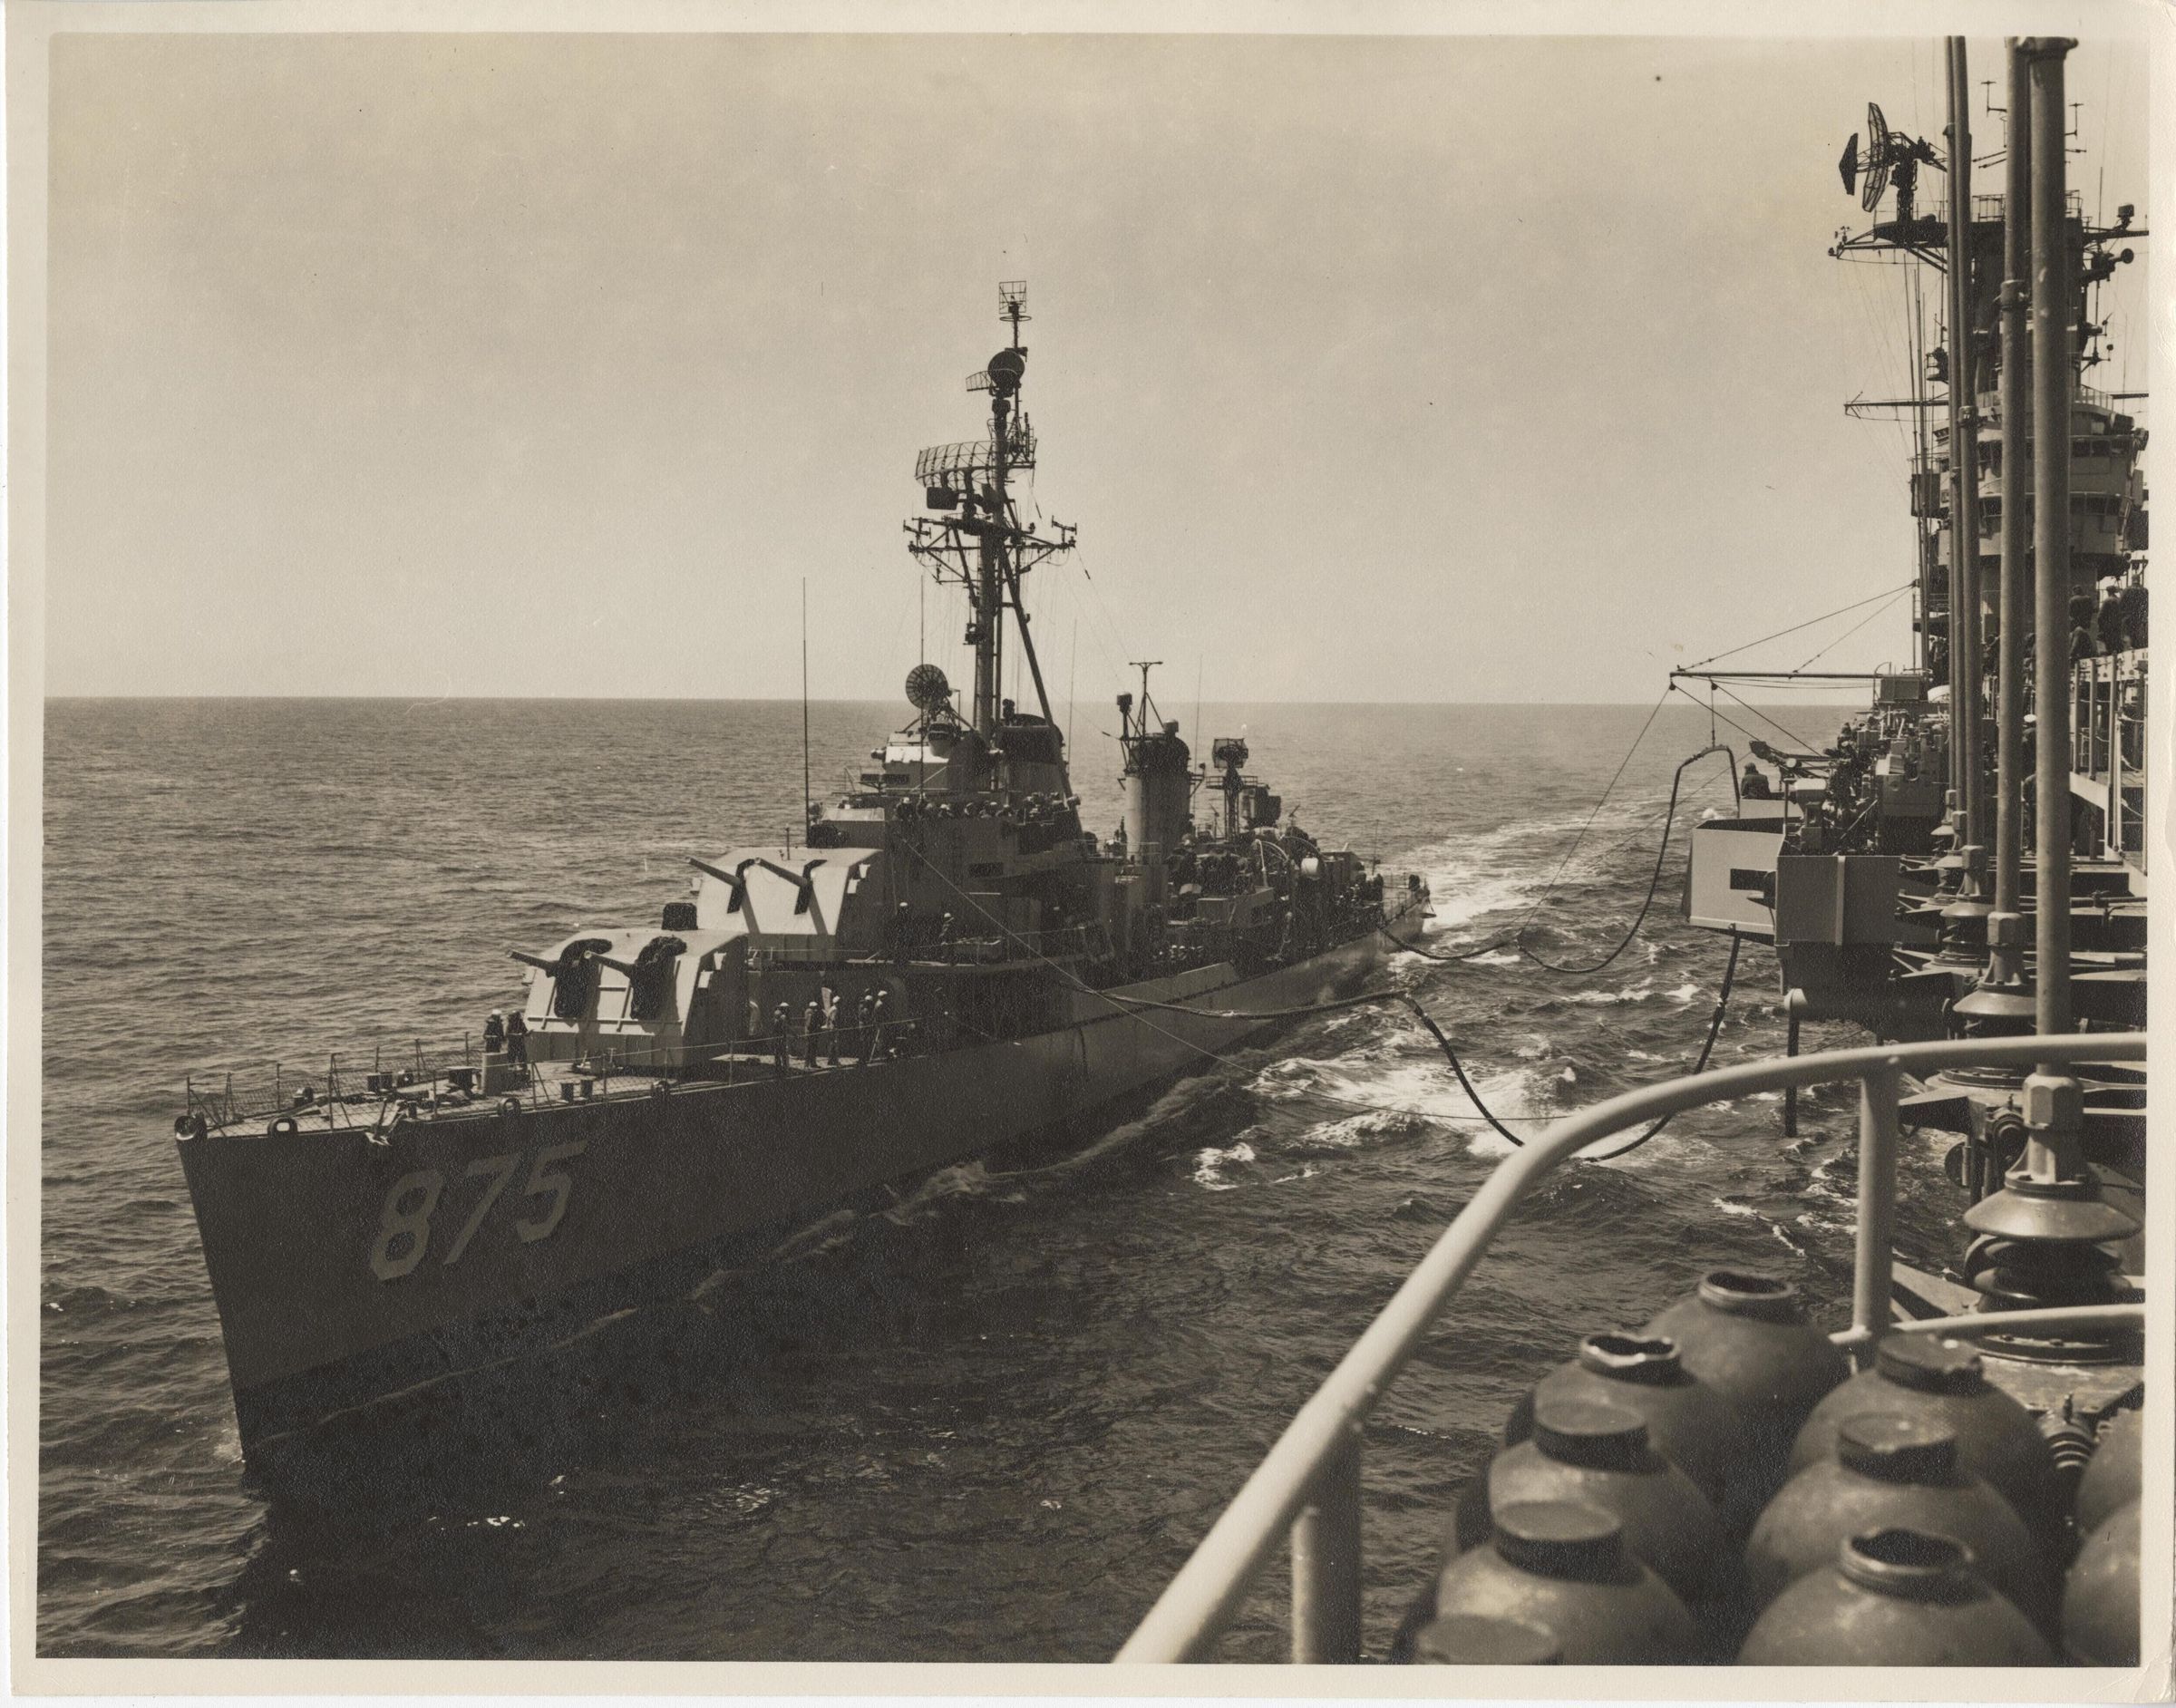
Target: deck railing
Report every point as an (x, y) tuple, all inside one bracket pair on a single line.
[(1308, 1489), (263, 1091)]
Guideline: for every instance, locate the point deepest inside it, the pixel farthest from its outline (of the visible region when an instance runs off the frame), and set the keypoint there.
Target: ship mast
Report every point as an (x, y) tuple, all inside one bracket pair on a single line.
[(983, 547), (1965, 918), (1002, 379)]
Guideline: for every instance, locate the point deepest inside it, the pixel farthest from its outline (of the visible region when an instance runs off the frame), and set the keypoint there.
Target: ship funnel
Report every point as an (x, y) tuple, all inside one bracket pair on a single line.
[(1159, 789)]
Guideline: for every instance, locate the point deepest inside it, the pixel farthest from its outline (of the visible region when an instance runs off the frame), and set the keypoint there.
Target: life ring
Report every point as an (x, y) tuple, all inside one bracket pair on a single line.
[(189, 1126), (509, 1107), (282, 1125)]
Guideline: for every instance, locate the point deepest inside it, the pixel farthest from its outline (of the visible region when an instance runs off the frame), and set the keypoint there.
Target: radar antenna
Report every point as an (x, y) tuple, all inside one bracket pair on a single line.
[(978, 539), (1889, 157), (927, 690), (1880, 157)]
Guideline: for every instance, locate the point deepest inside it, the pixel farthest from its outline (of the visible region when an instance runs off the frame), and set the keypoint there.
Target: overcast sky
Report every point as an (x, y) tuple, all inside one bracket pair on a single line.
[(1368, 369)]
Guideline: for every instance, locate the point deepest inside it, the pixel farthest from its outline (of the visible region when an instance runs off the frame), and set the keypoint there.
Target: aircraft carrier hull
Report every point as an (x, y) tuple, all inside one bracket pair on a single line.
[(349, 1268)]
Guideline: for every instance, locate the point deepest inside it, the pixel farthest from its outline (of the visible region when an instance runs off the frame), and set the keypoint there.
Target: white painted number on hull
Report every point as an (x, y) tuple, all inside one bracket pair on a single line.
[(404, 1226)]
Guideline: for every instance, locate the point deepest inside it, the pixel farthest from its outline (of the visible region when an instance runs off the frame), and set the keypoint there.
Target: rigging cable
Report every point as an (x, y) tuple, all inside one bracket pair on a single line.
[(1130, 1003), (1854, 628), (1714, 1028), (1597, 813), (1126, 1005), (1516, 939), (1802, 741), (1734, 724), (1654, 881), (1731, 652), (1557, 876)]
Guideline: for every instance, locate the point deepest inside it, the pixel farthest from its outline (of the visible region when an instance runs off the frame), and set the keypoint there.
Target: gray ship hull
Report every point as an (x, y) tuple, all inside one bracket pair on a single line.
[(349, 1268)]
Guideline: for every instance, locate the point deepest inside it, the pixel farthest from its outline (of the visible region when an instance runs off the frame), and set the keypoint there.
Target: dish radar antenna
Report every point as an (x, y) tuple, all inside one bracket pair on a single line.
[(1890, 156), (928, 691)]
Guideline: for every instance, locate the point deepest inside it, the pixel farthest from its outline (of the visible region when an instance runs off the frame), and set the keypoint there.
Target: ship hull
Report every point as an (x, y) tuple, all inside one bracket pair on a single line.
[(348, 1269)]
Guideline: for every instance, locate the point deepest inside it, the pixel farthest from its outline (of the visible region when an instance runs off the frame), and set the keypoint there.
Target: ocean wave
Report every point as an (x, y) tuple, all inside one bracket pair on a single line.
[(1357, 1130), (1623, 996), (1210, 1162), (961, 1179)]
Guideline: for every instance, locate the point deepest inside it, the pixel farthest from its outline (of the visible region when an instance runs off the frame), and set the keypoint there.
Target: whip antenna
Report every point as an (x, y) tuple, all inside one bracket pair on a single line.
[(805, 711)]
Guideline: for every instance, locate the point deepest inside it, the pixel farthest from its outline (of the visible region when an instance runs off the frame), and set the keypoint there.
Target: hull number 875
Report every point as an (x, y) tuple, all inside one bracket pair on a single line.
[(406, 1229)]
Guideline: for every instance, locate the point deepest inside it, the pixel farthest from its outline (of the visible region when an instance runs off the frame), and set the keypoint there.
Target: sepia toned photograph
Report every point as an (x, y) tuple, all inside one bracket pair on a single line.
[(981, 839)]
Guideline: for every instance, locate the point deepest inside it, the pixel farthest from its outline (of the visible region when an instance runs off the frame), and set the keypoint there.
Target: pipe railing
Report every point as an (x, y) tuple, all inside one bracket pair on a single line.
[(1307, 1488), (229, 1097)]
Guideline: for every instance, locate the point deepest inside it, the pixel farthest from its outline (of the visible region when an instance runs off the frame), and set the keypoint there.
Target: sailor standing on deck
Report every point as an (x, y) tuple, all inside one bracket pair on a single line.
[(812, 1027), (516, 1040), (494, 1034), (876, 1027), (865, 1037), (836, 1020), (781, 1025)]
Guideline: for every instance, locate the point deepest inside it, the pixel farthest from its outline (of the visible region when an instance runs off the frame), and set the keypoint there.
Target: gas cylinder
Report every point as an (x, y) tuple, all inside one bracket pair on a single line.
[(1893, 1472), (1894, 1597), (1471, 1639), (1746, 1337), (2112, 1473), (1689, 1423), (1470, 1518), (1918, 1375), (2100, 1598), (1586, 1451), (1562, 1565)]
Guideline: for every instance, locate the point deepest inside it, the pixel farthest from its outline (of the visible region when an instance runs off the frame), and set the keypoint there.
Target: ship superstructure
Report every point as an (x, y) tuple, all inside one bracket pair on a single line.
[(2021, 909), (1967, 881), (1876, 873), (948, 961)]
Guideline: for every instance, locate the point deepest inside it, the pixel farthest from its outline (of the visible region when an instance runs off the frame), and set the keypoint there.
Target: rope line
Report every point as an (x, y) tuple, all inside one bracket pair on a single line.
[(1516, 939), (1557, 876), (1757, 713), (1707, 1046), (1129, 1006), (1854, 628), (1749, 734), (1731, 652), (1714, 1028), (1126, 1003), (1654, 882)]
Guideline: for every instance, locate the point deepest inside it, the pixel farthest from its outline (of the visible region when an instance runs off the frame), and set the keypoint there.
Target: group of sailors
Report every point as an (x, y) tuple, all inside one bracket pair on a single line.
[(829, 1035), (508, 1033), (2110, 617), (2111, 620)]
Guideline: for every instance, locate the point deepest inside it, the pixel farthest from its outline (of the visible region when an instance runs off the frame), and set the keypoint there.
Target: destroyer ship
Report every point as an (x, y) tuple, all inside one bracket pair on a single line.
[(950, 962), (1956, 1475)]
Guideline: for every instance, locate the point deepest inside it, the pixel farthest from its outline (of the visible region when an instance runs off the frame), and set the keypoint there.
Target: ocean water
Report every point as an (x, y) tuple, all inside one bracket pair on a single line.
[(984, 1424)]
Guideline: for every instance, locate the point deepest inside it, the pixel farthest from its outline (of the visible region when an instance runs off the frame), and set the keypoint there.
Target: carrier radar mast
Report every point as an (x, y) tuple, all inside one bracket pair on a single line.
[(978, 539)]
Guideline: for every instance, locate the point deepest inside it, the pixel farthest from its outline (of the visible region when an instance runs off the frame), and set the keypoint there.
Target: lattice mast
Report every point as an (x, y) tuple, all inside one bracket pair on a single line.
[(978, 539)]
